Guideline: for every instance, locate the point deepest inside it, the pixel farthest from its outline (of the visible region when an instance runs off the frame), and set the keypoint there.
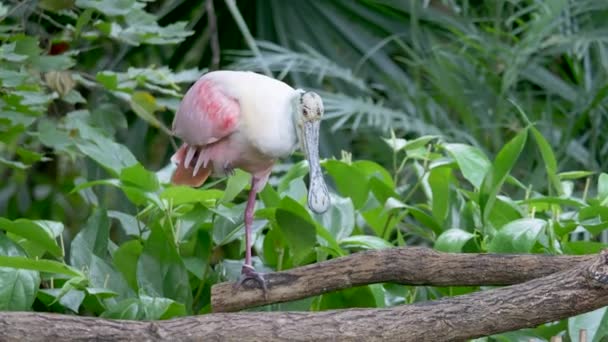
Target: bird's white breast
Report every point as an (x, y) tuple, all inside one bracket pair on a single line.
[(266, 110)]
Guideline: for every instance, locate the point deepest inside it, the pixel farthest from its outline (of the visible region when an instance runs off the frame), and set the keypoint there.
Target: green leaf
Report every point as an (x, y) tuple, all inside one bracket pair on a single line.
[(518, 236), (178, 195), (139, 177), (299, 233), (160, 269), (41, 265), (111, 155), (500, 169), (594, 322), (91, 240), (358, 297), (439, 180), (365, 242), (602, 188), (339, 219), (374, 170), (583, 247), (110, 7), (145, 308), (453, 240), (107, 79), (125, 260), (34, 233), (18, 286), (236, 183), (350, 181), (144, 105), (89, 250), (549, 160), (472, 162), (574, 174), (398, 144)]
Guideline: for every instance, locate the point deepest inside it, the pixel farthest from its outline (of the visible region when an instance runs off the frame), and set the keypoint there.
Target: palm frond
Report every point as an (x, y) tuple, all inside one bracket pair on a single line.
[(352, 113), (285, 61)]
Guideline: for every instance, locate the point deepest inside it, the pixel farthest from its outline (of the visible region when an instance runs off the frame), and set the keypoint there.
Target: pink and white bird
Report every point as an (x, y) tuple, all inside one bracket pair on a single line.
[(236, 119)]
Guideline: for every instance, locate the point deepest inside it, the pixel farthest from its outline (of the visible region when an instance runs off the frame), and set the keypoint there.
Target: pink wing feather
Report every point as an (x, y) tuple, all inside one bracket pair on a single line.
[(206, 114)]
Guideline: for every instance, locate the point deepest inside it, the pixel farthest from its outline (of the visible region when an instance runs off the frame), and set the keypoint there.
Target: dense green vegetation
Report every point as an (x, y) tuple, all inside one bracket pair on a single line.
[(466, 126)]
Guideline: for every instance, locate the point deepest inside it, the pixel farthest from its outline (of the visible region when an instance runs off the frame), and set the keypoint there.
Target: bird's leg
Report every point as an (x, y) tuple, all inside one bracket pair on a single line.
[(248, 272)]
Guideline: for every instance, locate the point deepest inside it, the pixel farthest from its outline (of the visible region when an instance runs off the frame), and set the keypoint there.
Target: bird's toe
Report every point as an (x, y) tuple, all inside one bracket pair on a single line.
[(249, 277)]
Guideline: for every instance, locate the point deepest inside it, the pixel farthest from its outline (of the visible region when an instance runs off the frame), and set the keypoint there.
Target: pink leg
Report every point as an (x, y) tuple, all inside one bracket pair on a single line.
[(248, 272), (249, 210)]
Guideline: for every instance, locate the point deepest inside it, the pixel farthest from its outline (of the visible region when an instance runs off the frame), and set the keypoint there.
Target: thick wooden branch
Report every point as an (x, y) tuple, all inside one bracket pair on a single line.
[(409, 265), (559, 295)]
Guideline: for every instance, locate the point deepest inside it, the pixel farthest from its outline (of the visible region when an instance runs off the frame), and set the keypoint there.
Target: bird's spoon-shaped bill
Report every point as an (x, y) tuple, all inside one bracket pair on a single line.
[(318, 195)]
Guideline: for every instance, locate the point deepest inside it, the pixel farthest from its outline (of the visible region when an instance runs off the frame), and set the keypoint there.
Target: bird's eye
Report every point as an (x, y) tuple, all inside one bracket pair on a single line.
[(305, 111)]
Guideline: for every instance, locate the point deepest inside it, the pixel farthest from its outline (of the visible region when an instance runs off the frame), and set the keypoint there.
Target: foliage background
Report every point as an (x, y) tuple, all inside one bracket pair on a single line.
[(468, 126)]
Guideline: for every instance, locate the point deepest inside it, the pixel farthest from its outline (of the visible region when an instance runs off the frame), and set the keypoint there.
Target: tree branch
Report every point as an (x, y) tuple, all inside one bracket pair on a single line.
[(409, 265), (559, 295)]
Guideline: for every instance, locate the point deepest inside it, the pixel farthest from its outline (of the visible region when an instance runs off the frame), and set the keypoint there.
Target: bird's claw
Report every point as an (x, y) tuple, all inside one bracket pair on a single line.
[(248, 273)]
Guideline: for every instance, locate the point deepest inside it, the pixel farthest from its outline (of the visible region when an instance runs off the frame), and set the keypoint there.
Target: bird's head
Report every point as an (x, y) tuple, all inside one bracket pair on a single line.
[(307, 117)]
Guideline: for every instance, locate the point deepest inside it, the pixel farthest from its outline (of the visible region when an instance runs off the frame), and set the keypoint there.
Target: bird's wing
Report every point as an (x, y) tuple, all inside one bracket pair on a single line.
[(206, 114)]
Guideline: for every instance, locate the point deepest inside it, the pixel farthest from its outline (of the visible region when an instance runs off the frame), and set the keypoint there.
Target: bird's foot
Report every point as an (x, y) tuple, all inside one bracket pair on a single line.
[(248, 273)]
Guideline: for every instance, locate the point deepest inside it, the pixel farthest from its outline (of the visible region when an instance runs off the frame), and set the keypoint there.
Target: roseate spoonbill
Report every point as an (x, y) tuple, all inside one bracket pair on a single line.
[(236, 119)]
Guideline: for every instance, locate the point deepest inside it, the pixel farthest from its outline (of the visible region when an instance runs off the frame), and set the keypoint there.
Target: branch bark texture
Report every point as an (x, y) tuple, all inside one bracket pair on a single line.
[(408, 265), (559, 295)]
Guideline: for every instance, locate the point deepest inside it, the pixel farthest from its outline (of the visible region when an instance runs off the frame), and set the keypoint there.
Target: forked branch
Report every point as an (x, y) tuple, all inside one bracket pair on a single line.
[(581, 288), (409, 265)]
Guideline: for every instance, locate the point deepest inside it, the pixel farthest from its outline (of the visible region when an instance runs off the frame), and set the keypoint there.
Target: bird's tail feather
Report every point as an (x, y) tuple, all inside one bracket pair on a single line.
[(185, 173)]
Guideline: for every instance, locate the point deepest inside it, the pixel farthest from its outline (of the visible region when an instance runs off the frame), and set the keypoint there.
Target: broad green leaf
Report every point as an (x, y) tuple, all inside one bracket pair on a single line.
[(374, 170), (160, 269), (350, 181), (518, 236), (504, 211), (146, 308), (356, 297), (107, 79), (111, 155), (398, 144), (178, 195), (471, 161), (594, 322), (548, 159), (139, 177), (125, 260), (453, 240), (34, 233), (236, 183), (298, 170), (71, 299), (18, 286), (41, 265), (91, 240), (144, 105), (339, 219), (299, 233), (500, 169), (365, 242), (110, 7), (583, 247), (289, 204), (130, 225), (269, 196), (439, 181)]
